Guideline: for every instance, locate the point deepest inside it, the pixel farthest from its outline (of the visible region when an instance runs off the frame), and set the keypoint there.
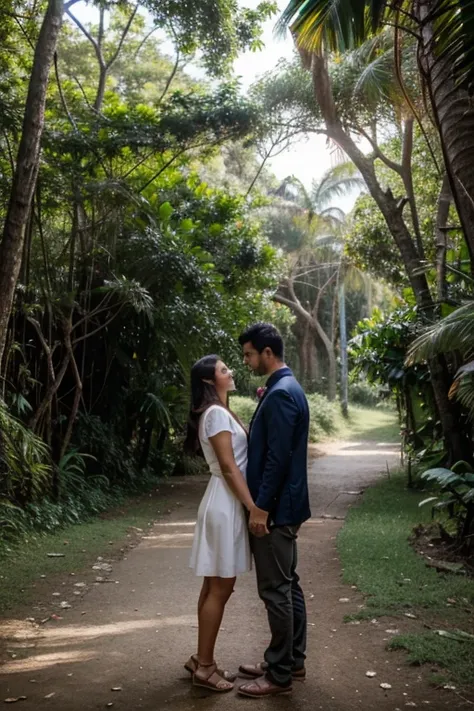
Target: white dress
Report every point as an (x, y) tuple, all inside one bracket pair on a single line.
[(221, 542)]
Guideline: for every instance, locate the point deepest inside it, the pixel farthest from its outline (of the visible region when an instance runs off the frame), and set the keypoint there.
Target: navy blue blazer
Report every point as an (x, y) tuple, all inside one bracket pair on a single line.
[(277, 469)]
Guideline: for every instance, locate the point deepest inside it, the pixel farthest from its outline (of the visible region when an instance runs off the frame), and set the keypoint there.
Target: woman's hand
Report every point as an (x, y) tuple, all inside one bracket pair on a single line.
[(258, 522)]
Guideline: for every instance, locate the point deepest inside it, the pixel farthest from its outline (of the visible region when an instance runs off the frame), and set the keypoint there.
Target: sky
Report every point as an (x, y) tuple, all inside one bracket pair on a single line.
[(308, 159)]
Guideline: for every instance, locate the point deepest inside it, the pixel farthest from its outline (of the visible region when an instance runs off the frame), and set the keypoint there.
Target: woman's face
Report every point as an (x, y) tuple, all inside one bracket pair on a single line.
[(224, 378)]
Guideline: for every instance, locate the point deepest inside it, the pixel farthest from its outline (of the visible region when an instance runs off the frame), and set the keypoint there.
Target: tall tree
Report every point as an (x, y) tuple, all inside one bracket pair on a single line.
[(329, 104), (444, 34), (310, 286), (27, 163)]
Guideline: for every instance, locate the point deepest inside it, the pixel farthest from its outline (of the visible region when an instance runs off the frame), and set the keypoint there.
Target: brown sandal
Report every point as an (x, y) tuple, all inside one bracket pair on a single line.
[(192, 665), (214, 681)]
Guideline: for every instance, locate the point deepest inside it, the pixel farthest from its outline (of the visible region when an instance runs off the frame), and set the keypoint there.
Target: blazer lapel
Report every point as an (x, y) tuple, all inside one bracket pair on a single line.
[(272, 380)]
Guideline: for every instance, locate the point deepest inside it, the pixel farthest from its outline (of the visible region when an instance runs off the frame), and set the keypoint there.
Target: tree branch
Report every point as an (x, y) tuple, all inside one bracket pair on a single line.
[(378, 153), (86, 33), (61, 93), (122, 38)]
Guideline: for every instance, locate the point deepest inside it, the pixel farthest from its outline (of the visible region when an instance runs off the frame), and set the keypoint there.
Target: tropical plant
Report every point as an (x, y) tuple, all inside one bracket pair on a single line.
[(452, 334), (25, 463), (309, 227), (456, 496)]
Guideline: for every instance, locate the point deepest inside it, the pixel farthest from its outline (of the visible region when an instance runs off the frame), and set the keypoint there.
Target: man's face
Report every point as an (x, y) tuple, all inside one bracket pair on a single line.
[(257, 362)]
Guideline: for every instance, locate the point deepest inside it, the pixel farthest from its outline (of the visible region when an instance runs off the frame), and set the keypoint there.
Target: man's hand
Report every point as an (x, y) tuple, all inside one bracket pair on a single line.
[(258, 522)]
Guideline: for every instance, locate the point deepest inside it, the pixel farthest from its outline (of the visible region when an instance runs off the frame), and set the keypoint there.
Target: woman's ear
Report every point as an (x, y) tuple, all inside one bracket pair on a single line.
[(208, 382)]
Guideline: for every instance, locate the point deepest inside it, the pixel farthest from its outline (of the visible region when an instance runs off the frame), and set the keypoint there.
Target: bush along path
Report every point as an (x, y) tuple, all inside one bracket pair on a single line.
[(122, 644)]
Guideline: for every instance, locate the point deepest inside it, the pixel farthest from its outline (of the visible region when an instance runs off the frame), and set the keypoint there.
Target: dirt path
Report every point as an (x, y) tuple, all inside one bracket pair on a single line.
[(135, 634)]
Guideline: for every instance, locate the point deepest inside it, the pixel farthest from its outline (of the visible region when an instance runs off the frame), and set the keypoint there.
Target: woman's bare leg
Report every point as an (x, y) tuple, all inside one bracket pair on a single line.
[(203, 594), (210, 616)]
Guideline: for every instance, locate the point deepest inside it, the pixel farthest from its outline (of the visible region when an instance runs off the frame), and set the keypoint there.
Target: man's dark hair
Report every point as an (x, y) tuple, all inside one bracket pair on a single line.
[(264, 335)]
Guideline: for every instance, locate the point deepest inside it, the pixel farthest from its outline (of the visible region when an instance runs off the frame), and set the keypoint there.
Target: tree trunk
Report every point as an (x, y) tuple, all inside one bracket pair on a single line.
[(318, 332), (332, 364), (454, 115), (302, 357), (457, 446), (27, 164), (388, 206), (442, 213), (78, 392), (343, 347)]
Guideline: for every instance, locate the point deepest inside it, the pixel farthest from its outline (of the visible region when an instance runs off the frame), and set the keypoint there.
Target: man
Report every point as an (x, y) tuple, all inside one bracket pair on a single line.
[(278, 481)]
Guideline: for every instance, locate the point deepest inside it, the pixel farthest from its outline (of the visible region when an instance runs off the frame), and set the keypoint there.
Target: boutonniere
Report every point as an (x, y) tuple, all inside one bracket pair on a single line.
[(261, 392)]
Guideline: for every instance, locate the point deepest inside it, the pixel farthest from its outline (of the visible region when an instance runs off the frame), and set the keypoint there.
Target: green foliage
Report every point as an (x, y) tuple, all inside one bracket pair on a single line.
[(378, 352), (363, 393), (24, 461), (456, 497), (369, 244), (453, 333), (131, 256), (454, 657), (244, 407), (322, 417), (219, 29), (323, 414), (379, 346)]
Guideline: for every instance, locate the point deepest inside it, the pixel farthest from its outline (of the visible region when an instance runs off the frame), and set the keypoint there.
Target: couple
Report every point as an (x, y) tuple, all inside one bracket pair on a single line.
[(258, 483)]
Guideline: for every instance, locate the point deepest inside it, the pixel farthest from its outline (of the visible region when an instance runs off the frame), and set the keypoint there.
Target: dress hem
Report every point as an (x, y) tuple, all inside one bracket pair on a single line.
[(213, 574)]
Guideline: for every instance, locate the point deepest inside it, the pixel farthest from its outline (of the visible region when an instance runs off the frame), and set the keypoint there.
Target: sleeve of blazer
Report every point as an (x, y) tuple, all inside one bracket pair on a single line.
[(281, 416)]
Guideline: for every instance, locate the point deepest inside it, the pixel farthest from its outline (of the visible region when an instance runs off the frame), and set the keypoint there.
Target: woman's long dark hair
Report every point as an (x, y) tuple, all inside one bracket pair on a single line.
[(202, 396)]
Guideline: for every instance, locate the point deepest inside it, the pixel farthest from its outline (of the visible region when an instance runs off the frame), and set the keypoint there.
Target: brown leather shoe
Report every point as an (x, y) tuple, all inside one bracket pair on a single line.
[(261, 687), (254, 671)]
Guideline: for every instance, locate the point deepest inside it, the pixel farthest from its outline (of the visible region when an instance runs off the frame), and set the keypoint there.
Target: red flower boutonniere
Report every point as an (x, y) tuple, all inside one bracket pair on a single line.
[(261, 392)]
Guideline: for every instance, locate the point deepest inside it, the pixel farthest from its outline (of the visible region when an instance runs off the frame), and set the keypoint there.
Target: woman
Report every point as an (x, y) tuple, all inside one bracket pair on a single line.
[(221, 548)]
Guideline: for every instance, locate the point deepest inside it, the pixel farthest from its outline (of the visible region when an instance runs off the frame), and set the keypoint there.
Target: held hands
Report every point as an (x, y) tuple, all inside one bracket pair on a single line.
[(258, 522)]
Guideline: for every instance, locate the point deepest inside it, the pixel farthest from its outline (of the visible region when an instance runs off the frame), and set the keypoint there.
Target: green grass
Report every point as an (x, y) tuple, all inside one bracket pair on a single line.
[(376, 557), (81, 544), (456, 658), (372, 424)]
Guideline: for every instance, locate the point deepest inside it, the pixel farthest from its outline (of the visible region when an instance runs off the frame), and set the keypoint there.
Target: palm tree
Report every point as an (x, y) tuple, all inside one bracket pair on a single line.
[(316, 266), (445, 39)]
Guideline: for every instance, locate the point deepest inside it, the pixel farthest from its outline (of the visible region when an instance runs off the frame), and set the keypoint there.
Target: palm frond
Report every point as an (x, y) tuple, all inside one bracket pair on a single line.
[(465, 393), (130, 292), (334, 214), (377, 79), (454, 37), (336, 25), (454, 332), (291, 189), (342, 25), (335, 184)]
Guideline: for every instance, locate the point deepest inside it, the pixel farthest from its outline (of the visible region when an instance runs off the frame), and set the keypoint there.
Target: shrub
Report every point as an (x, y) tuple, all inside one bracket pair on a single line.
[(109, 454), (363, 393), (25, 465), (456, 496), (244, 407), (322, 414), (322, 417)]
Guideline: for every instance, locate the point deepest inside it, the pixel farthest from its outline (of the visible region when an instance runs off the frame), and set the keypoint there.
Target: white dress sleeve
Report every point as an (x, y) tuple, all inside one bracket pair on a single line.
[(216, 420)]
